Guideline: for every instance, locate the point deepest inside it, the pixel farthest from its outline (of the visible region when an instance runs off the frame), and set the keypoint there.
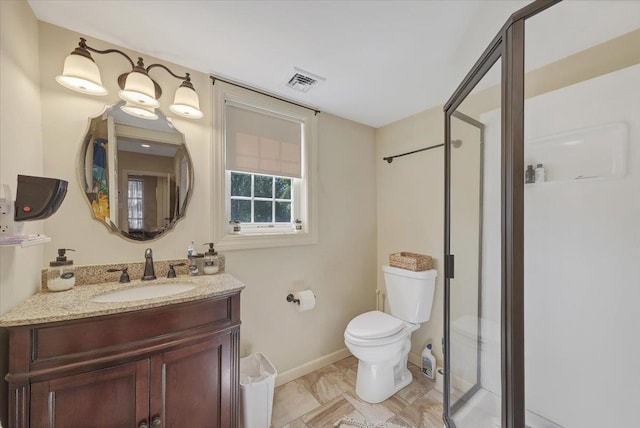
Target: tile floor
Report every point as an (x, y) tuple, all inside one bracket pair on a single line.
[(323, 397)]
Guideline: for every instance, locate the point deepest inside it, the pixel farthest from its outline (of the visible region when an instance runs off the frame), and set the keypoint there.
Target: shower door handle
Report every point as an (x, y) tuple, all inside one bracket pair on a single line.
[(449, 266)]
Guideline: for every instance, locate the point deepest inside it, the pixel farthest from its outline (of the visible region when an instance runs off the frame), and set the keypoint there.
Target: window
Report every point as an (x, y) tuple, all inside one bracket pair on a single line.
[(261, 199), (264, 171), (136, 204)]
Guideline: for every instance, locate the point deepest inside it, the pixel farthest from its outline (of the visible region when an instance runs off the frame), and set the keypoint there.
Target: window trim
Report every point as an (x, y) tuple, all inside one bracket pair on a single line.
[(307, 191)]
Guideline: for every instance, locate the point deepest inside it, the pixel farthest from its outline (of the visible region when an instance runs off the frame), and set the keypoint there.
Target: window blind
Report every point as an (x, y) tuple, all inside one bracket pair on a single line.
[(262, 143)]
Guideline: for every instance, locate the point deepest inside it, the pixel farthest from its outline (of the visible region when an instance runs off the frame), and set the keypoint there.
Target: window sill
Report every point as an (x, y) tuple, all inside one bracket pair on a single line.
[(265, 240)]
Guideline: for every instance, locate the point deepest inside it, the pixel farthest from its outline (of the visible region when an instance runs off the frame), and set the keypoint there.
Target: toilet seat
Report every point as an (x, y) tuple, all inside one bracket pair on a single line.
[(374, 325), (379, 342), (375, 328)]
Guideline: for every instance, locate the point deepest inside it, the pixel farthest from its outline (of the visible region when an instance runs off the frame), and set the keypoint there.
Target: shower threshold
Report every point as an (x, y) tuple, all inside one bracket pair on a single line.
[(482, 410)]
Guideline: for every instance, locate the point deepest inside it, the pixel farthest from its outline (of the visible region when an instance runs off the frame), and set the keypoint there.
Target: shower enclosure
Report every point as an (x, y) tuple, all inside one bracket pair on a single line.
[(541, 271)]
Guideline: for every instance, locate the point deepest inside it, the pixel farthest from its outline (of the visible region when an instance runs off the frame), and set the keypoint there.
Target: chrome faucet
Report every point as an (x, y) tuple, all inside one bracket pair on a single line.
[(149, 272)]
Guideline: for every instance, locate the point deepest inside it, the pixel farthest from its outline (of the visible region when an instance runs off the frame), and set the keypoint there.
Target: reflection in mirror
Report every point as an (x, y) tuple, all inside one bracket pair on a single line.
[(137, 173)]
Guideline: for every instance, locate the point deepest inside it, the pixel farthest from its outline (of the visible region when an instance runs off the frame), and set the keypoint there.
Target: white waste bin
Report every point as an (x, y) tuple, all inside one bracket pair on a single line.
[(257, 382)]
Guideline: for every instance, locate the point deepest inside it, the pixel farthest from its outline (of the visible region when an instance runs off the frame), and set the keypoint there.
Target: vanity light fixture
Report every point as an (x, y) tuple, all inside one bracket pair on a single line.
[(140, 111), (81, 74)]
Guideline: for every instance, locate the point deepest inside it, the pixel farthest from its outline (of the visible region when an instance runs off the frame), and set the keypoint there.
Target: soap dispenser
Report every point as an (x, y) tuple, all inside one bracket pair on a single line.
[(211, 260), (61, 275)]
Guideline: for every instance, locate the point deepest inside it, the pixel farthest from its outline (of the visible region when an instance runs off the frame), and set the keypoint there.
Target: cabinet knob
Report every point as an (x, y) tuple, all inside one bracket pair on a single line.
[(156, 421), (143, 425)]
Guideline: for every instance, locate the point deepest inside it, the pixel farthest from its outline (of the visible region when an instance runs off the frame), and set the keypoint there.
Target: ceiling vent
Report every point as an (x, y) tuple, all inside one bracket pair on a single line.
[(303, 80)]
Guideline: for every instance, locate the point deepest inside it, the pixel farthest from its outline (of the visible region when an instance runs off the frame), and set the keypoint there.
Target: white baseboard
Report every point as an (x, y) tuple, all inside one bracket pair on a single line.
[(296, 372), (311, 366)]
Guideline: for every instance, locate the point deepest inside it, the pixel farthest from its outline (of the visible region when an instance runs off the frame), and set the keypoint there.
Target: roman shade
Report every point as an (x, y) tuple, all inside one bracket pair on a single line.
[(260, 142)]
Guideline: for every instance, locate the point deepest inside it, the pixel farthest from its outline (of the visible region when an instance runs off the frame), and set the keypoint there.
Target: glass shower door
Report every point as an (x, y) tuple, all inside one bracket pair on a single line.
[(474, 235)]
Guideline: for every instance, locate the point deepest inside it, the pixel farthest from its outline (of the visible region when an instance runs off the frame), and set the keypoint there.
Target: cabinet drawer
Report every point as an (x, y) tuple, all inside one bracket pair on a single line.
[(108, 334)]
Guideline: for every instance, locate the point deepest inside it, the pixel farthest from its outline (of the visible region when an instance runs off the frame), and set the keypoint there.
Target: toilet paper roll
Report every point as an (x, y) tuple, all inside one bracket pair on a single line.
[(307, 300)]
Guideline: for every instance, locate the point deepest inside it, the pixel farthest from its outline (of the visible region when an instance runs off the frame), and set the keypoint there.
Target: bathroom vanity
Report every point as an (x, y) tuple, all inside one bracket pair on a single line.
[(161, 362)]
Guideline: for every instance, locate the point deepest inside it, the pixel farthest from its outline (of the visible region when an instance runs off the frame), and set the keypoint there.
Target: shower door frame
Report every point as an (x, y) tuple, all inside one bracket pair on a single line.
[(507, 45)]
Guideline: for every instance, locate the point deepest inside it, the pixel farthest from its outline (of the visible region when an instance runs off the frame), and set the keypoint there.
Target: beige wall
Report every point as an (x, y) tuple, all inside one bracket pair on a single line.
[(20, 152), (410, 205), (20, 139), (340, 268)]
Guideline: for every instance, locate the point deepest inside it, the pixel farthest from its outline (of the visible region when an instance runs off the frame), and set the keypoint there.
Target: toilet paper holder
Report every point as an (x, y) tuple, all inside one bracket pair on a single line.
[(291, 298), (305, 300)]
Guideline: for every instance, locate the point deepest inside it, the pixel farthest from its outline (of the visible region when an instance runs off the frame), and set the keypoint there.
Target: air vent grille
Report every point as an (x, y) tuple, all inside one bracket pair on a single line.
[(303, 81)]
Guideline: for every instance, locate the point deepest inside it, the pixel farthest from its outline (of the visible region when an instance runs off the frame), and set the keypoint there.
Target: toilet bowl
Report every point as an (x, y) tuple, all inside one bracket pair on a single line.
[(381, 342), (382, 356)]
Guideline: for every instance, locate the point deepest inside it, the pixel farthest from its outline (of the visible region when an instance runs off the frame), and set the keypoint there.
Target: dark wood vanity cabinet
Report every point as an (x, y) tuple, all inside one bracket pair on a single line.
[(111, 397), (171, 366)]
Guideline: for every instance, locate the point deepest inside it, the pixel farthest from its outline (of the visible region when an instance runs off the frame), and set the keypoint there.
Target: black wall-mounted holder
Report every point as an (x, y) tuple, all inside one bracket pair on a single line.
[(290, 298), (38, 198)]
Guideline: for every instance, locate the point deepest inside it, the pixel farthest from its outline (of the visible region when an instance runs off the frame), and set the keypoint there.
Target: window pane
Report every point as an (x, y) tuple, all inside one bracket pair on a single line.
[(283, 212), (283, 189), (240, 184), (241, 210), (262, 213), (135, 204), (263, 186)]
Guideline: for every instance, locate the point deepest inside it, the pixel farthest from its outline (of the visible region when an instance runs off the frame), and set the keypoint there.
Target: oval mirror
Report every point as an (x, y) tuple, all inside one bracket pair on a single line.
[(137, 173)]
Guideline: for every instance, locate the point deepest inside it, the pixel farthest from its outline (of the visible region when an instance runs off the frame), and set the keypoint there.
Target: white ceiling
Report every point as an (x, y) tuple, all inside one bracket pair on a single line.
[(382, 60)]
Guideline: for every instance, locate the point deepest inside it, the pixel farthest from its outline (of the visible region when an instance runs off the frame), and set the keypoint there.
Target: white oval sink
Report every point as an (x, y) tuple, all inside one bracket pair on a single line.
[(142, 293)]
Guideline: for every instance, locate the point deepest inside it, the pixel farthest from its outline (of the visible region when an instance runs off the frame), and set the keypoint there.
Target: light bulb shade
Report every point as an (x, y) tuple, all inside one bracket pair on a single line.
[(186, 103), (139, 89), (81, 74), (139, 111)]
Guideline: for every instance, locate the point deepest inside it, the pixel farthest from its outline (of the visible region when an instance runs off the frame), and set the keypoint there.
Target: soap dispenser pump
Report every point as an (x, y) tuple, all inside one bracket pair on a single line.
[(61, 274), (211, 260)]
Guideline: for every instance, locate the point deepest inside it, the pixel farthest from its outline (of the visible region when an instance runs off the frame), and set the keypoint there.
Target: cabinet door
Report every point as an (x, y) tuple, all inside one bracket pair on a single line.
[(190, 387), (113, 397)]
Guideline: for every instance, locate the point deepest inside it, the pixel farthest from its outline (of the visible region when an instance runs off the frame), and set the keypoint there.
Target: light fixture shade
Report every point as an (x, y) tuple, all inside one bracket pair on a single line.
[(139, 89), (186, 103), (81, 74), (139, 111)]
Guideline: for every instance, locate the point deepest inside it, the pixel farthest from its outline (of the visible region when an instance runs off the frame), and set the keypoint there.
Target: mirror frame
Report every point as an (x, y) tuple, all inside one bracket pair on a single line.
[(82, 181)]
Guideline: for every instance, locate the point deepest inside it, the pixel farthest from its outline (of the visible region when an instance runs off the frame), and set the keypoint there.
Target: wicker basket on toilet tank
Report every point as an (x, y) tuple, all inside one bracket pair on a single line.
[(410, 261)]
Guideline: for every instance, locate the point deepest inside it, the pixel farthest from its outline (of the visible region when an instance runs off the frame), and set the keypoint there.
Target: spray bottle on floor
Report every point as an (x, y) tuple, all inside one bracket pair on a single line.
[(428, 362)]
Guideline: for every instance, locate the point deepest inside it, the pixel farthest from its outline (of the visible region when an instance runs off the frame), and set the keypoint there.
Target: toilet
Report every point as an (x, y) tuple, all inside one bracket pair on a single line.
[(381, 342)]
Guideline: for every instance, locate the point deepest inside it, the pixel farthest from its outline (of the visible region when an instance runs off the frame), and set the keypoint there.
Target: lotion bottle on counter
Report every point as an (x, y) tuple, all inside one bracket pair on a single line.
[(61, 274), (211, 260)]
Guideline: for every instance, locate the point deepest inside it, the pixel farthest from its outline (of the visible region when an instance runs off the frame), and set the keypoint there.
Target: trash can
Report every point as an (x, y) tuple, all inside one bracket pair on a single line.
[(257, 382)]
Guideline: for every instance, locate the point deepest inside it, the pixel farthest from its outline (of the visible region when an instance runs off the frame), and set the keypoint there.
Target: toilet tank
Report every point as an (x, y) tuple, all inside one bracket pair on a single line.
[(409, 293)]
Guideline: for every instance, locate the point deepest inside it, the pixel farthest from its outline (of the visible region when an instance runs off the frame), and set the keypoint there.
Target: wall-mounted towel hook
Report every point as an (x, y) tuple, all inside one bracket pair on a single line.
[(290, 298)]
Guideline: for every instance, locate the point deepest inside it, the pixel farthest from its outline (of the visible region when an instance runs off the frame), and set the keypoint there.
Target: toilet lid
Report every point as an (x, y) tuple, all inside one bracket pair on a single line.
[(373, 325)]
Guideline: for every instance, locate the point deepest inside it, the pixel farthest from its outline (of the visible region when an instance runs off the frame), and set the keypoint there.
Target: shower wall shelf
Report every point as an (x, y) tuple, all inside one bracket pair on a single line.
[(581, 155)]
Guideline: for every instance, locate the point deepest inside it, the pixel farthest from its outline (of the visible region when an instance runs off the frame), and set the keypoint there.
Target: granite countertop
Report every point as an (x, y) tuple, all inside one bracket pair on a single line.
[(49, 306)]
